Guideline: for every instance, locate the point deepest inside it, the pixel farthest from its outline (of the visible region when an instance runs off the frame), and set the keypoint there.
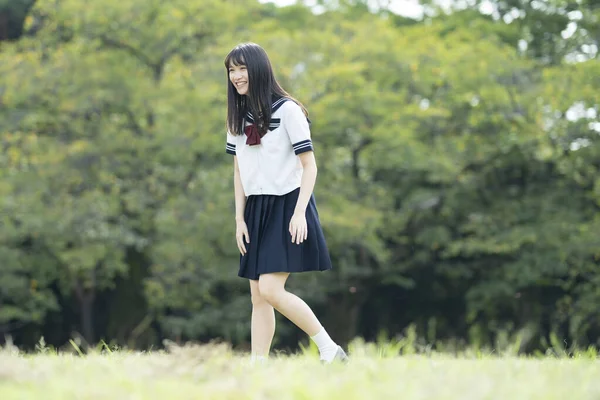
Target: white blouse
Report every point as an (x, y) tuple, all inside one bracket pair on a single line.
[(273, 166)]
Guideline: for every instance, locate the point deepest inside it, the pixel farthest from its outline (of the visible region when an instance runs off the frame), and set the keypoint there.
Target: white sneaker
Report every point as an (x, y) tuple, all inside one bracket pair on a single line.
[(340, 355)]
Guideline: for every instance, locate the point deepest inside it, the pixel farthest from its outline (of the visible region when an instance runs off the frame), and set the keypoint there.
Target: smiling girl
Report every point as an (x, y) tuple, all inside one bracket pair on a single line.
[(278, 231)]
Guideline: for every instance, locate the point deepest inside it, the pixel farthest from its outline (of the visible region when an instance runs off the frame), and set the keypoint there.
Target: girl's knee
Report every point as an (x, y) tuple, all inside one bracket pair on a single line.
[(270, 291), (258, 300), (255, 295)]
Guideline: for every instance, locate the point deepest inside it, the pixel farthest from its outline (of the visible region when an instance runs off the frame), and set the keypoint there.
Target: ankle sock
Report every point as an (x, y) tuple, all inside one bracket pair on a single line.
[(327, 347), (256, 359)]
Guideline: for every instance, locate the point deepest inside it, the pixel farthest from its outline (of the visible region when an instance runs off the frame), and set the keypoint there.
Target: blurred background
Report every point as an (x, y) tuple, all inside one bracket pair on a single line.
[(458, 149)]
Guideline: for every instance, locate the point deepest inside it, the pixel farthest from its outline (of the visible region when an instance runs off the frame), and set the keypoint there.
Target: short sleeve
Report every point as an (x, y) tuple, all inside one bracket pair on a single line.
[(230, 146), (297, 128)]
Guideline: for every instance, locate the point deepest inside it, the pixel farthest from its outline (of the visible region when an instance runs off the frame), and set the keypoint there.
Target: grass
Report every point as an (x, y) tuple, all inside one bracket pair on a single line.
[(376, 371)]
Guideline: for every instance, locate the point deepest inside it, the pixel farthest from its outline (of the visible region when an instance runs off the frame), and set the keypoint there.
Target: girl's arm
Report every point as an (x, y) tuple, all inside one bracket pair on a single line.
[(309, 177), (241, 229), (240, 197)]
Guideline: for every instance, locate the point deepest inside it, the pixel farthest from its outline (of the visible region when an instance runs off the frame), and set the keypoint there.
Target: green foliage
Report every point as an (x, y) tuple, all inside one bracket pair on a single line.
[(458, 176), (549, 32)]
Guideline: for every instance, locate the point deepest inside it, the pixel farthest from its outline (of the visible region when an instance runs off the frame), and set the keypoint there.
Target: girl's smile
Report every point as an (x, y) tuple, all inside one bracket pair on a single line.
[(238, 75)]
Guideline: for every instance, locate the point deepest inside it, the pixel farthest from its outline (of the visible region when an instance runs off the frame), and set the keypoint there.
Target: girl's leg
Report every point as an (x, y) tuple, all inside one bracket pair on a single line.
[(272, 289), (262, 327)]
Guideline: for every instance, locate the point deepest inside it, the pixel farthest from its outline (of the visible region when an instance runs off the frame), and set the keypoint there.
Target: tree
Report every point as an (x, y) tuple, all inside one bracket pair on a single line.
[(457, 178), (104, 101), (12, 17)]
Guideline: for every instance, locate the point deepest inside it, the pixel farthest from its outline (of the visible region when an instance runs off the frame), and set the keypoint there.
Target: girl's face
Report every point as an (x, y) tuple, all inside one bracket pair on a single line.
[(238, 75)]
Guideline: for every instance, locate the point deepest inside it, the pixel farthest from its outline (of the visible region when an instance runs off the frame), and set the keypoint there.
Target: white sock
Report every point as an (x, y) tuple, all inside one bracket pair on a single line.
[(256, 359), (327, 347)]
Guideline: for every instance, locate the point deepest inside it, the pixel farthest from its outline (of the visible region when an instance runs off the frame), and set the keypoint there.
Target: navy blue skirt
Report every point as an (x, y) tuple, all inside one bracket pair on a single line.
[(271, 248)]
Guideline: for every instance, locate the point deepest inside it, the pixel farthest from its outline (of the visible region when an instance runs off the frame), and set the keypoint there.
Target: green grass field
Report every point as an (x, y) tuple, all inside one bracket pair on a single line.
[(215, 372)]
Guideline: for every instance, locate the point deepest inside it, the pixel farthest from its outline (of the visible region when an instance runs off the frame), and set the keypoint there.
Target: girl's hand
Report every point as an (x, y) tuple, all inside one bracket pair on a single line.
[(298, 228), (241, 232)]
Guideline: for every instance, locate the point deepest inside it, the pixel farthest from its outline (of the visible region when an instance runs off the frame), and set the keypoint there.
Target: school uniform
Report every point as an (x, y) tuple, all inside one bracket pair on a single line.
[(271, 174)]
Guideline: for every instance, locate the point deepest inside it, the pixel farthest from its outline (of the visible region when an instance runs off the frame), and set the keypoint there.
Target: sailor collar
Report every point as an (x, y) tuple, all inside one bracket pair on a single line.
[(251, 131)]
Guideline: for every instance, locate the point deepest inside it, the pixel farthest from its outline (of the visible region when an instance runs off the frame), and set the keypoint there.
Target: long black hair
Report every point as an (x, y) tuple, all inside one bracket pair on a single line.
[(263, 89)]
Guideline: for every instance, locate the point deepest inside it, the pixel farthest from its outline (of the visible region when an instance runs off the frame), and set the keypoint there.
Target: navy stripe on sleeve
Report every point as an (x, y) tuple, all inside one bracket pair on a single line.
[(303, 146), (230, 149)]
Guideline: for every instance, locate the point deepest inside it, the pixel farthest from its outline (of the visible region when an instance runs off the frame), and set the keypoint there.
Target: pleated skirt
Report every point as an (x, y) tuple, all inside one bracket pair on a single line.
[(271, 248)]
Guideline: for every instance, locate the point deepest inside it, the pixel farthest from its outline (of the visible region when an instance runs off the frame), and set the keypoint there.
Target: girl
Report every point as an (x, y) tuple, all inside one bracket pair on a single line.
[(277, 225)]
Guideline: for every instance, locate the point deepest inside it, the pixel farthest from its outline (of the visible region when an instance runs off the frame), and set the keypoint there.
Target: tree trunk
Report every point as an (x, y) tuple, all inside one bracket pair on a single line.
[(343, 313), (4, 25), (86, 297)]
